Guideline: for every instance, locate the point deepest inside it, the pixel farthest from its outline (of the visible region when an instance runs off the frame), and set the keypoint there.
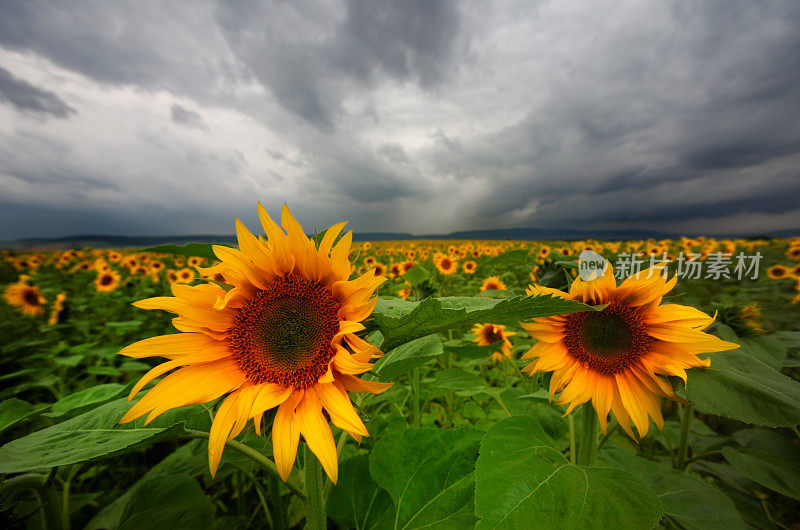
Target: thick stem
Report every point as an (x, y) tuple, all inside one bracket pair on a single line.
[(316, 518), (587, 451), (572, 455), (686, 412)]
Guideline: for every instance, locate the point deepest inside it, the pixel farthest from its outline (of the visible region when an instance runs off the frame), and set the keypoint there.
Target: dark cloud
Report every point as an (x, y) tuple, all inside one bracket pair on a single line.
[(27, 97), (424, 116), (311, 62), (188, 118)]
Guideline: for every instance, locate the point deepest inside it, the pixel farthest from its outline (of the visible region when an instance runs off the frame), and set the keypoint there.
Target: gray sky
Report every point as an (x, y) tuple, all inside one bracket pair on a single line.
[(426, 116)]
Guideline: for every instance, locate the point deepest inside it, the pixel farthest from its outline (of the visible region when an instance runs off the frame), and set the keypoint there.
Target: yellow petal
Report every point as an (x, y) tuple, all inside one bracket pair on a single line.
[(286, 434), (317, 433)]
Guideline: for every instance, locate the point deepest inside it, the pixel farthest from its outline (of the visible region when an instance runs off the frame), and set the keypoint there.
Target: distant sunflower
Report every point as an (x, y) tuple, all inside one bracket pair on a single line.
[(488, 334), (404, 293), (470, 267), (544, 251), (107, 281), (172, 276), (446, 265), (25, 297), (778, 272), (616, 357), (195, 261), (185, 275), (493, 283), (793, 252), (283, 336)]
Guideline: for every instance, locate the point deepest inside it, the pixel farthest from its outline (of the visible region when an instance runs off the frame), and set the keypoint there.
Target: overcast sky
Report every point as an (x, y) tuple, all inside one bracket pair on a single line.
[(428, 116)]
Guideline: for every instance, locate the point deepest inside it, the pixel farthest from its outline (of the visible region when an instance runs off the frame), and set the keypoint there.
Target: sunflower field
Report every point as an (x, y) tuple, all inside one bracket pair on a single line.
[(316, 382)]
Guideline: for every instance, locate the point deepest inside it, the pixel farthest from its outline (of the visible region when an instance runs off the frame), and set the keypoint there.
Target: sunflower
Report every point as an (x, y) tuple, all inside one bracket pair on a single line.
[(778, 272), (284, 335), (195, 261), (185, 275), (107, 281), (470, 266), (793, 253), (493, 283), (404, 293), (25, 297), (445, 264), (616, 357), (487, 334)]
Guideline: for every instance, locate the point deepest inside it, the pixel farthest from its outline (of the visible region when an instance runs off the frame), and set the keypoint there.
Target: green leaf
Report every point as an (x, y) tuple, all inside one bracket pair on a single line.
[(13, 411), (508, 258), (428, 474), (408, 356), (688, 501), (93, 435), (403, 322), (159, 501), (523, 481), (458, 379), (767, 458), (416, 275), (188, 460), (744, 388), (357, 501), (767, 349), (90, 397)]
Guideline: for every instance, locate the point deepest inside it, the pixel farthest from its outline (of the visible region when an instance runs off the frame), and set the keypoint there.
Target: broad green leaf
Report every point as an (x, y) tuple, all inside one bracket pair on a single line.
[(93, 435), (744, 388), (160, 501), (523, 481), (403, 322), (688, 501), (767, 458), (91, 396), (416, 275), (357, 501), (458, 379), (765, 348), (14, 410), (428, 474), (507, 258), (408, 356), (188, 460)]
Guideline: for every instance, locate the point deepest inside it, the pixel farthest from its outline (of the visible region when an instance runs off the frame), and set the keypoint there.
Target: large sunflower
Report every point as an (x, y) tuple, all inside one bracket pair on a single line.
[(616, 357), (283, 336)]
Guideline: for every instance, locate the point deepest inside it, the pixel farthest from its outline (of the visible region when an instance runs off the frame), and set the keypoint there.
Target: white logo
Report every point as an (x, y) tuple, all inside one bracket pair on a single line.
[(591, 265)]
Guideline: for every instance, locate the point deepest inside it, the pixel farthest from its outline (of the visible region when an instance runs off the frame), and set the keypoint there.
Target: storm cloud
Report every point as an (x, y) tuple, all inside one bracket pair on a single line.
[(408, 116)]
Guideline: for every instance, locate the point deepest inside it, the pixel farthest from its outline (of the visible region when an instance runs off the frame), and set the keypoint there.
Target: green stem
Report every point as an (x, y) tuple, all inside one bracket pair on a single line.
[(276, 504), (415, 396), (686, 412), (251, 453), (607, 435), (572, 455), (48, 503), (587, 450), (316, 518)]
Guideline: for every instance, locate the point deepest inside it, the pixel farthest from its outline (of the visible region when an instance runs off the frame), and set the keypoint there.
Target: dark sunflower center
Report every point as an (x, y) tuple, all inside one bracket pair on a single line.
[(608, 341), (605, 334), (283, 334), (31, 297), (106, 280)]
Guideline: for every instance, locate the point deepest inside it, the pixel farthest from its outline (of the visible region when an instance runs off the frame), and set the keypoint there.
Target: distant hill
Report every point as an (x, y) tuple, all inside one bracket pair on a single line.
[(518, 234)]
